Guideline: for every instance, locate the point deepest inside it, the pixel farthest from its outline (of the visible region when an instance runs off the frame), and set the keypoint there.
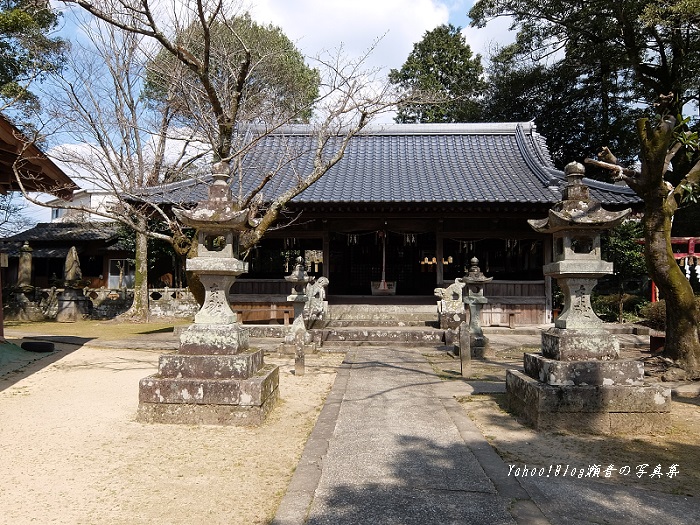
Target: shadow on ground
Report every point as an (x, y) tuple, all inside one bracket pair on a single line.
[(17, 363), (426, 482)]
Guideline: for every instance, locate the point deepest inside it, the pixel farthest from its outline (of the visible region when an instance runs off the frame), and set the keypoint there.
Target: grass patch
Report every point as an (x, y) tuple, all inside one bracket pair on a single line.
[(105, 330)]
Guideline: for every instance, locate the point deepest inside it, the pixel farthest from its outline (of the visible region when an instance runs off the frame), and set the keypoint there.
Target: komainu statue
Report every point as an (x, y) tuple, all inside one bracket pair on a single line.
[(451, 304), (316, 304)]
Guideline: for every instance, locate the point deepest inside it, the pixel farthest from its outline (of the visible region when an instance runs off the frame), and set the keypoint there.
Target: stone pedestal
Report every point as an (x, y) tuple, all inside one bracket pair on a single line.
[(450, 307), (24, 309), (588, 409), (208, 389), (571, 345), (214, 379), (579, 384), (450, 314), (72, 305)]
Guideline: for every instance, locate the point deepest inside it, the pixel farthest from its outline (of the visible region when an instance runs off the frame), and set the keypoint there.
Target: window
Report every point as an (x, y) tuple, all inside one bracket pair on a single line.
[(121, 273)]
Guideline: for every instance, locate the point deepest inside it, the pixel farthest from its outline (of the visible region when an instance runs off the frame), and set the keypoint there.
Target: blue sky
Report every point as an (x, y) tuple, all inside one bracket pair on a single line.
[(315, 24), (318, 25)]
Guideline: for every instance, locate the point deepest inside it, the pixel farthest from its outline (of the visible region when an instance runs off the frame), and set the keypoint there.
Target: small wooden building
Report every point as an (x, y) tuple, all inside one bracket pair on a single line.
[(104, 261), (413, 203)]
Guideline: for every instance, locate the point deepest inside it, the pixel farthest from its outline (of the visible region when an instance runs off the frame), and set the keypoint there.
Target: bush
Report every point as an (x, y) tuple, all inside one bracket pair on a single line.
[(607, 307), (654, 314)]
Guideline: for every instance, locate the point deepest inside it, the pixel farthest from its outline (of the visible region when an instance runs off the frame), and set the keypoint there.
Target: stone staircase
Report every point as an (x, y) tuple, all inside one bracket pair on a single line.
[(407, 324), (379, 325)]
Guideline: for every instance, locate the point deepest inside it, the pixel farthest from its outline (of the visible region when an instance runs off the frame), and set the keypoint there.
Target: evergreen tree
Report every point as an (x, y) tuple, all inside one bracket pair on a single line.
[(578, 111), (655, 47), (443, 77), (655, 44), (26, 48)]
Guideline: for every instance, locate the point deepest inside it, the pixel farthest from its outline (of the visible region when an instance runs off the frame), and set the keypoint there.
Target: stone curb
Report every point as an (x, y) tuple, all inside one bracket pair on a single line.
[(296, 503), (522, 507)]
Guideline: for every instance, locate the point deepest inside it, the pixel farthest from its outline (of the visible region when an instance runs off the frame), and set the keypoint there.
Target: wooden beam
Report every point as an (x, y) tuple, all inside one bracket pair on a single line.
[(38, 172)]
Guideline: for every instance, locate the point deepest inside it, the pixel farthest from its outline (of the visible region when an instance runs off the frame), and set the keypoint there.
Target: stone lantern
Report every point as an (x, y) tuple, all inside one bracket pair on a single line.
[(214, 378), (298, 277), (576, 224), (474, 285), (299, 340), (578, 382), (27, 309)]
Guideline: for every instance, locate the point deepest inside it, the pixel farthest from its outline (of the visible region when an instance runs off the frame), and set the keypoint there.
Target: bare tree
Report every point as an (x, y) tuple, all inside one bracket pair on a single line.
[(117, 141), (12, 219), (204, 111)]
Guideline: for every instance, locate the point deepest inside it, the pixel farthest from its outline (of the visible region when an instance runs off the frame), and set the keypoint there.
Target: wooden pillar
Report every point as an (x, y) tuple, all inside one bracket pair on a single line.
[(3, 264), (439, 254), (547, 255), (326, 253)]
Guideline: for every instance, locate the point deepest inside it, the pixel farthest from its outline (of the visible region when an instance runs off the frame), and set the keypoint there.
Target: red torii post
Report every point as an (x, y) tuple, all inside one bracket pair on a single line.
[(690, 243)]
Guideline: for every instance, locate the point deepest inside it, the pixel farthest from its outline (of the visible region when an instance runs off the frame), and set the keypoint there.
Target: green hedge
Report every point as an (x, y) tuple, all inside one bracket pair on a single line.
[(654, 314), (607, 307)]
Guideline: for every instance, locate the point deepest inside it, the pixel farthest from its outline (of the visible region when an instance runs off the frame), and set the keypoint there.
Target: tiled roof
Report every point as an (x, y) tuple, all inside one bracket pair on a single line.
[(66, 231), (413, 163)]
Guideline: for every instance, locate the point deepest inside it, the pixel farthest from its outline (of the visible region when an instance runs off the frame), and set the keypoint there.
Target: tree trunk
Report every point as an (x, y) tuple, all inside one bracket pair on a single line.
[(193, 283), (139, 308), (682, 343)]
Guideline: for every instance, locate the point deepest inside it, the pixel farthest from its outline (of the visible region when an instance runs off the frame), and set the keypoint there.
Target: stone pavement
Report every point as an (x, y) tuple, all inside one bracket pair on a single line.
[(393, 447)]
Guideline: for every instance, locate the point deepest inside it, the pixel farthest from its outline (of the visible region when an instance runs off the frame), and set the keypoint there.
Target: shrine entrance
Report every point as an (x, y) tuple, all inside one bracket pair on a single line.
[(408, 262)]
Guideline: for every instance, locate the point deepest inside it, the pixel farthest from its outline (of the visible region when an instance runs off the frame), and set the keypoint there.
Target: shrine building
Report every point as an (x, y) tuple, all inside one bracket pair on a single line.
[(412, 203)]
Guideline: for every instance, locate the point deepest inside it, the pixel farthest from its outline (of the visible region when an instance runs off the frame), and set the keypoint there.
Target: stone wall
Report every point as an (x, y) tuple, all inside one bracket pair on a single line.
[(172, 302), (104, 303), (108, 303)]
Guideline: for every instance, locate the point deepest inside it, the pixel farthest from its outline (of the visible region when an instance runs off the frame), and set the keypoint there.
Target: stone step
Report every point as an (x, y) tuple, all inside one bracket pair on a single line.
[(401, 315), (394, 322), (382, 336)]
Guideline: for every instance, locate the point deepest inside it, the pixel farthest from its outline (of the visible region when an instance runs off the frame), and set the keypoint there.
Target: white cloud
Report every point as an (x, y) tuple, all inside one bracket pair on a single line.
[(485, 40), (318, 25)]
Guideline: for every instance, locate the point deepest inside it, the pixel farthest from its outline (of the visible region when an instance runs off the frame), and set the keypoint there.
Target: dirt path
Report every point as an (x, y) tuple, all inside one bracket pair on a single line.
[(72, 452)]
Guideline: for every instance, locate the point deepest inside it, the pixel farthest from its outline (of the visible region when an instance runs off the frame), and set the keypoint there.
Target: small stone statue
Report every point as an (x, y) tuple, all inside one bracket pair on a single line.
[(453, 292), (451, 306), (315, 307), (72, 271)]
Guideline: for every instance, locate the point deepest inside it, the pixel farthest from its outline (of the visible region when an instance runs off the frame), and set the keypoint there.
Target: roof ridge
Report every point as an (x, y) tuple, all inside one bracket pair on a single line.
[(168, 187), (457, 128), (538, 165)]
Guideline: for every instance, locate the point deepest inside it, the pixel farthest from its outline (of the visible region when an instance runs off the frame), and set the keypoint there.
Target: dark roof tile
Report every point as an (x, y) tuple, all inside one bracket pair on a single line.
[(419, 163), (67, 231)]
